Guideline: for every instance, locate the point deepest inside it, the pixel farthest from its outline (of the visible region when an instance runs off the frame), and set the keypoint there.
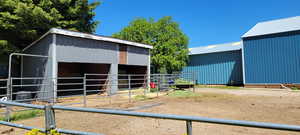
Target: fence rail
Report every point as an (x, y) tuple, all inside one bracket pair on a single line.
[(50, 119), (49, 89), (45, 130)]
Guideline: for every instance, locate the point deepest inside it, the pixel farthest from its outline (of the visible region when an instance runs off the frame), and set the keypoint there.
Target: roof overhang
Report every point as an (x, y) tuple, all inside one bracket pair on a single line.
[(274, 27), (88, 36), (233, 46)]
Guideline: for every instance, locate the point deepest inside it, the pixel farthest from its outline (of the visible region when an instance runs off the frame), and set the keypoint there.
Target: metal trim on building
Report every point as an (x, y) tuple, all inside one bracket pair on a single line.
[(88, 36), (232, 46)]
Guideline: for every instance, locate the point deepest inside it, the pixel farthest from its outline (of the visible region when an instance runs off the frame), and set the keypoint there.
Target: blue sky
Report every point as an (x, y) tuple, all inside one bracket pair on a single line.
[(204, 21)]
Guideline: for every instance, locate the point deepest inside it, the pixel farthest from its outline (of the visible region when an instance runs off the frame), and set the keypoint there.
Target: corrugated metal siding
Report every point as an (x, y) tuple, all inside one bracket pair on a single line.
[(272, 60), (37, 66), (137, 56), (71, 49), (216, 68)]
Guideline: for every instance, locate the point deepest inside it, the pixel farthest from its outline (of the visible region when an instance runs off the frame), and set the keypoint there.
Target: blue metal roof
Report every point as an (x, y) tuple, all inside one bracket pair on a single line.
[(274, 26), (216, 48)]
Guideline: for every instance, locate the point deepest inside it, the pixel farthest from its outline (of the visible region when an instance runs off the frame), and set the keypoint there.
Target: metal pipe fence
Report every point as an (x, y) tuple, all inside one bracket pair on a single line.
[(50, 119), (124, 83), (100, 86), (3, 87), (164, 82), (42, 89), (47, 89)]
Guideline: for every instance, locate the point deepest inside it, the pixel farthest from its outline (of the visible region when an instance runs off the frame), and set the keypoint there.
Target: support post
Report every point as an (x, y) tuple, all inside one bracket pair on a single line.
[(114, 78), (49, 119), (129, 87), (189, 130), (84, 91)]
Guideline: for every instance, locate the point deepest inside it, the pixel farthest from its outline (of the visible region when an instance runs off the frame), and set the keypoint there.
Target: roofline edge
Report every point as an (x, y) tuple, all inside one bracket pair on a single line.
[(88, 36)]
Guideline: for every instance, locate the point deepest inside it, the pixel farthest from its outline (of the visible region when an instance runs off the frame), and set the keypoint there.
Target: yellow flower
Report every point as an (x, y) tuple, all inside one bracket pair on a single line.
[(37, 132)]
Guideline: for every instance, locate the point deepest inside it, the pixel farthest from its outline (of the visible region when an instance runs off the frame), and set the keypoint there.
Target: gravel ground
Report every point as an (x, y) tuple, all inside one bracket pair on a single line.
[(263, 105)]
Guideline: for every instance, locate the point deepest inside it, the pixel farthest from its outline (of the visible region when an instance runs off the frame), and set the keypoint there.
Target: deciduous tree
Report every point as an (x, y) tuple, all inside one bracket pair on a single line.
[(170, 44)]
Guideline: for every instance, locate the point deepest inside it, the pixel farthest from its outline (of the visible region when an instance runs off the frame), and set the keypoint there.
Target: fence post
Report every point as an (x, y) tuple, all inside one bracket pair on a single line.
[(10, 89), (9, 98), (158, 85), (54, 90), (7, 88), (194, 82), (147, 87), (49, 119), (129, 87), (84, 91), (7, 113), (109, 87), (189, 130)]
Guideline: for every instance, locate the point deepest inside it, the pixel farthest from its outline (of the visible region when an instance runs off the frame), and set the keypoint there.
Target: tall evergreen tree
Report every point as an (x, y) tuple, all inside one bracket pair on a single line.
[(23, 21)]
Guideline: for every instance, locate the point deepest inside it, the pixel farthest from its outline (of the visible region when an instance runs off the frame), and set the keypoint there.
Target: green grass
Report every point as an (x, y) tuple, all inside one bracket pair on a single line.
[(24, 115), (294, 88), (218, 87), (140, 97), (183, 94), (182, 81), (153, 89)]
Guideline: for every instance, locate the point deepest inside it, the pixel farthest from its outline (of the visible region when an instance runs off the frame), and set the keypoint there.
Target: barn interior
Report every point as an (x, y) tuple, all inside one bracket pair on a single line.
[(70, 78), (138, 76)]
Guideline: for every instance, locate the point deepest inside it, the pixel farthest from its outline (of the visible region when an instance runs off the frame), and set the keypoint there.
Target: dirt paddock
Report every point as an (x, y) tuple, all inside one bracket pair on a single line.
[(262, 105)]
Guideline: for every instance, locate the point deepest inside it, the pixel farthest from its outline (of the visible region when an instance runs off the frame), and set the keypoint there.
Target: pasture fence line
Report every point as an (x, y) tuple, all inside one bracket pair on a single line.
[(54, 90), (48, 89), (50, 119)]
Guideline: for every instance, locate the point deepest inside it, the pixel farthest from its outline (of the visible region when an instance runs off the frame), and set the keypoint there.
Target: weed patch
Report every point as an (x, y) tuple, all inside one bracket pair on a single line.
[(182, 81), (183, 94), (294, 88), (153, 89), (24, 115), (140, 97)]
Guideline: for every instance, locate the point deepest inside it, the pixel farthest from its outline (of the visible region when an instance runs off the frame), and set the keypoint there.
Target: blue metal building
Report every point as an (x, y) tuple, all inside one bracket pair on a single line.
[(217, 64), (269, 55), (272, 52)]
